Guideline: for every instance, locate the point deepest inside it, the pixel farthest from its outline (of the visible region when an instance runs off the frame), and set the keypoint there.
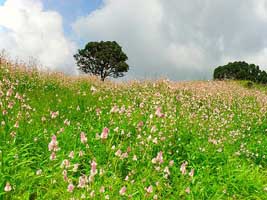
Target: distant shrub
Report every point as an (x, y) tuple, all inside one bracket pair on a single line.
[(240, 71)]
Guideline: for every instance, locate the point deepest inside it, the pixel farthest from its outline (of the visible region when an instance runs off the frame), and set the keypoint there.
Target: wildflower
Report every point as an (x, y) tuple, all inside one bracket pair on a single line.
[(93, 89), (126, 178), (66, 122), (75, 167), (171, 163), (149, 189), (118, 153), (158, 159), (104, 134), (187, 190), (71, 187), (9, 92), (167, 171), (54, 114), (38, 172), (122, 191), (82, 181), (114, 109), (53, 145), (124, 155), (153, 129), (93, 168), (183, 168), (81, 153), (134, 158), (140, 124), (43, 119), (158, 113), (13, 134), (53, 156), (71, 155), (83, 138), (65, 164), (16, 124), (8, 187), (92, 194), (116, 129), (102, 189), (191, 173)]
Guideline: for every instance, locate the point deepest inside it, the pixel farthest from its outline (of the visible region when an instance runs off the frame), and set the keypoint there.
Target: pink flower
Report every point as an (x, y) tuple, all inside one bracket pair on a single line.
[(65, 164), (9, 92), (149, 189), (71, 155), (183, 168), (83, 138), (122, 190), (70, 187), (53, 156), (114, 109), (54, 114), (104, 134), (140, 124), (53, 145), (118, 153), (102, 189), (82, 181), (158, 159), (8, 187), (192, 172), (81, 153), (65, 175), (93, 168), (158, 112)]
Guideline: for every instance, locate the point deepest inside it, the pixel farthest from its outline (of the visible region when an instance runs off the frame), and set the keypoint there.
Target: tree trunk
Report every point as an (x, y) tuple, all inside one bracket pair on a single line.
[(102, 78)]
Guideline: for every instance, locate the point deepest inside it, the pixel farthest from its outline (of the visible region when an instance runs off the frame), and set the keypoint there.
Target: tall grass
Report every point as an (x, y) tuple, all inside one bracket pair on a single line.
[(77, 138)]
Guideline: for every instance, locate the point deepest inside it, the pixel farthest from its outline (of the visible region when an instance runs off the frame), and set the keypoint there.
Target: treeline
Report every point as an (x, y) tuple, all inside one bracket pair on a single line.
[(240, 71)]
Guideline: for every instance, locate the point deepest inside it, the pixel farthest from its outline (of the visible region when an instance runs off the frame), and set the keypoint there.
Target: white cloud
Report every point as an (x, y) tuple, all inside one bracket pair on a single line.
[(180, 38), (26, 30)]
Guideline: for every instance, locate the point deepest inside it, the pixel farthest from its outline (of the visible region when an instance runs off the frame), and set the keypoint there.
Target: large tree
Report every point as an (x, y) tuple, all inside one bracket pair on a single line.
[(102, 59)]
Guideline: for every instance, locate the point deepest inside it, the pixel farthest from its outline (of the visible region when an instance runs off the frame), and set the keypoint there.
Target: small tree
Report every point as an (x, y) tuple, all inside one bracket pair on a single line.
[(102, 59), (240, 71)]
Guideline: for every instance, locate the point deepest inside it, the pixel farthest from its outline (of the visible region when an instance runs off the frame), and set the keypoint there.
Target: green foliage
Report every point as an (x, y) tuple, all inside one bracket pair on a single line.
[(240, 71), (102, 59), (218, 130)]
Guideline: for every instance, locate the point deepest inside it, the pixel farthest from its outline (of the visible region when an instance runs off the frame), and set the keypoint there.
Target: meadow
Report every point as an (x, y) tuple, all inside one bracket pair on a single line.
[(78, 138)]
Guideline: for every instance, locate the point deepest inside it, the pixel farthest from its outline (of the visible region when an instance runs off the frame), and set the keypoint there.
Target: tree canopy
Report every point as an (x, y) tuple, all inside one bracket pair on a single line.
[(240, 70), (104, 59)]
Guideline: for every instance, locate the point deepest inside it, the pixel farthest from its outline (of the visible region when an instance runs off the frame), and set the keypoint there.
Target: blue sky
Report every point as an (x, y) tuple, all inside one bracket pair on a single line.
[(71, 9)]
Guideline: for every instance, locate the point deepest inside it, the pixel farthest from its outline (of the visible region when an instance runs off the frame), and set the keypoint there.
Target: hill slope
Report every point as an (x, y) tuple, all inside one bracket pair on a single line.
[(63, 138)]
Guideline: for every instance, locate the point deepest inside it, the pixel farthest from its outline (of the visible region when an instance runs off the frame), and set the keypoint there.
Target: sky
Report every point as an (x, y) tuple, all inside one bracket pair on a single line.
[(176, 39)]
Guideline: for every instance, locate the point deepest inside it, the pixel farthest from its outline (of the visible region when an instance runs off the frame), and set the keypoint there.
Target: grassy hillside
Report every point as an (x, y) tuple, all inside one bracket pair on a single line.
[(76, 138)]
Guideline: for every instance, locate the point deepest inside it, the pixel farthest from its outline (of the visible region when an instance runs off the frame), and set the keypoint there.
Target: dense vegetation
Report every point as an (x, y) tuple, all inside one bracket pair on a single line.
[(240, 71), (76, 138)]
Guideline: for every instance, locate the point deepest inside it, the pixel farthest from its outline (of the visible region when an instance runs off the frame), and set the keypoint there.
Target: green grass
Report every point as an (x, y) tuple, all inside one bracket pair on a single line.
[(218, 128)]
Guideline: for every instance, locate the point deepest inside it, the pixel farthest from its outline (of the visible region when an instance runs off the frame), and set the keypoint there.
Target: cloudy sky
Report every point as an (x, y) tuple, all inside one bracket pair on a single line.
[(179, 39)]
